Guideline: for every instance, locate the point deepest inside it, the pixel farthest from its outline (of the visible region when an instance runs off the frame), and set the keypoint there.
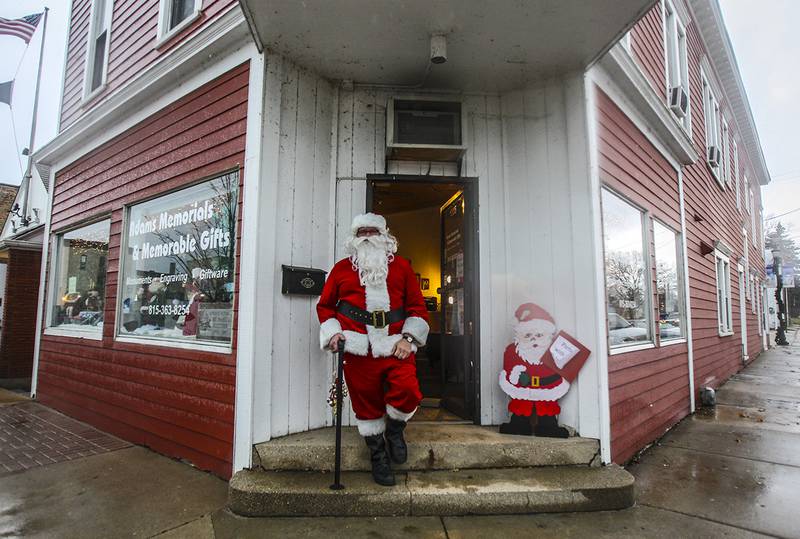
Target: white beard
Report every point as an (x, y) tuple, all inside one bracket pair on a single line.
[(370, 256), (529, 354)]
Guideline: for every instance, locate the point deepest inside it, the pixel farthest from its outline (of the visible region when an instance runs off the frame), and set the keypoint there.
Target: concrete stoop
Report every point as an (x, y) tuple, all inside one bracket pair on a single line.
[(451, 470)]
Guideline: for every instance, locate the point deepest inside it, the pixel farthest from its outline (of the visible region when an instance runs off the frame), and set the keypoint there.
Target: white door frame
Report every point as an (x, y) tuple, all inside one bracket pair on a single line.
[(743, 311)]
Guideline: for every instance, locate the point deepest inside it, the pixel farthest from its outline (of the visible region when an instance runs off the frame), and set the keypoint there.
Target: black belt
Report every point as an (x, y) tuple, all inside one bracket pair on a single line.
[(377, 319), (546, 381)]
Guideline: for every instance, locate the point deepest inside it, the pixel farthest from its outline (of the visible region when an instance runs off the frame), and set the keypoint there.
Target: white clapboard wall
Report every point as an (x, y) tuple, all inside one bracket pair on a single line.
[(528, 150)]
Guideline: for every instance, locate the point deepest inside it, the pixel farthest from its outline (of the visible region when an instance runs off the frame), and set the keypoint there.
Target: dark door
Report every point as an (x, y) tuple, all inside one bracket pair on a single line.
[(458, 304)]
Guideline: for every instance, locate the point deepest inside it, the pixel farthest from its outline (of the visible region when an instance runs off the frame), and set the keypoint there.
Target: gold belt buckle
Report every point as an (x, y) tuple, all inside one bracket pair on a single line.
[(382, 323), (534, 381)]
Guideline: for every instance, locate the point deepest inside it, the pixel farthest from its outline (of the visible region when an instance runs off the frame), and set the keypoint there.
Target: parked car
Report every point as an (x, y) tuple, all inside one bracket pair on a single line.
[(621, 331)]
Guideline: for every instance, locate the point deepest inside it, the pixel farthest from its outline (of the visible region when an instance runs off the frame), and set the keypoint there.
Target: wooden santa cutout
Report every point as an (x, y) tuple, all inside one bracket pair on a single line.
[(538, 368)]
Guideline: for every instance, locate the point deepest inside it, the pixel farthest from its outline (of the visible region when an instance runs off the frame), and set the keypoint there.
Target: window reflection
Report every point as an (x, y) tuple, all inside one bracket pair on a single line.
[(670, 307)]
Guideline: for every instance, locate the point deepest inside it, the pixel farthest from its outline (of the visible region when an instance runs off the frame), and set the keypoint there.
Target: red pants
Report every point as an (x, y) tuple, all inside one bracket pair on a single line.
[(374, 383), (525, 408)]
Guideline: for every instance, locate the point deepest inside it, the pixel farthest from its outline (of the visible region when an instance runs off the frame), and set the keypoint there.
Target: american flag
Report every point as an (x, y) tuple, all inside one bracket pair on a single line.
[(22, 28)]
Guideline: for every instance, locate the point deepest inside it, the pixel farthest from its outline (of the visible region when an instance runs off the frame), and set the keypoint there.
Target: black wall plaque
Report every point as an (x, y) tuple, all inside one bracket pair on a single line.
[(302, 281)]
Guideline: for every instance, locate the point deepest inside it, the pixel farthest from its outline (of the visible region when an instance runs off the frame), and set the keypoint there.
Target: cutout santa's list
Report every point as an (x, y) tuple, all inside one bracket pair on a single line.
[(538, 368)]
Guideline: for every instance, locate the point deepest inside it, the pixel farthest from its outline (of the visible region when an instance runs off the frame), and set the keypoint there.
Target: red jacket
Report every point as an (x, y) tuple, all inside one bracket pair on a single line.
[(514, 365), (401, 290)]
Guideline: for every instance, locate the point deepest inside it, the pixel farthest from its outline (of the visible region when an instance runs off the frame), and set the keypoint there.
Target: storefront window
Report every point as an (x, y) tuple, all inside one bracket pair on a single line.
[(668, 284), (81, 257), (177, 279), (628, 299)]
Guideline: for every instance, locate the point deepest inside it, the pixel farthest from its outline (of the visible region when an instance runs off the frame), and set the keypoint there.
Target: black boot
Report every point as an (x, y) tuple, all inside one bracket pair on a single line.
[(547, 426), (395, 442), (519, 424), (381, 470)]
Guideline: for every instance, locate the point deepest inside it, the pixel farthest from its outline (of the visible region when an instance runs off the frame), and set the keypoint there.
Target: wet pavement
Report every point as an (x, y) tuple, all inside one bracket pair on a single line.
[(731, 471)]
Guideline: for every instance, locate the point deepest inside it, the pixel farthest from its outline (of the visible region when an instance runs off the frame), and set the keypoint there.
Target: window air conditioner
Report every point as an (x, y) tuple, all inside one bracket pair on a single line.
[(714, 156), (678, 101), (424, 130)]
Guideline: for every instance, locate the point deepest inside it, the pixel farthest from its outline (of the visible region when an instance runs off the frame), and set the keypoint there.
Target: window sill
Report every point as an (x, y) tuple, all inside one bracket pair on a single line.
[(166, 37), (89, 98), (168, 343), (725, 333), (94, 335), (672, 342), (632, 348)]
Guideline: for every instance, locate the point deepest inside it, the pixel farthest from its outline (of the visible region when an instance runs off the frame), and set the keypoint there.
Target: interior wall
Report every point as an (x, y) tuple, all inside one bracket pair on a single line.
[(419, 237)]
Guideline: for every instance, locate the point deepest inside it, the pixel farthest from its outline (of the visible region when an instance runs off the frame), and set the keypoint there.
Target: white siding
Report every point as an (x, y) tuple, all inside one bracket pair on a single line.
[(528, 150)]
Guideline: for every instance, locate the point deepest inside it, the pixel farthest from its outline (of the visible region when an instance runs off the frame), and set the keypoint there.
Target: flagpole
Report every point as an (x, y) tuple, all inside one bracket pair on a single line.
[(27, 177)]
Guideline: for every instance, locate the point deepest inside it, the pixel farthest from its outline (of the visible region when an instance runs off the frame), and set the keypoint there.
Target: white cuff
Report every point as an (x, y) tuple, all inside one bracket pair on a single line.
[(418, 328), (327, 330), (371, 427), (397, 415)]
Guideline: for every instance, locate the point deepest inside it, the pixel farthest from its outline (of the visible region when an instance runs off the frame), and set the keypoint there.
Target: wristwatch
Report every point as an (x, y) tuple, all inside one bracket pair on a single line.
[(409, 338)]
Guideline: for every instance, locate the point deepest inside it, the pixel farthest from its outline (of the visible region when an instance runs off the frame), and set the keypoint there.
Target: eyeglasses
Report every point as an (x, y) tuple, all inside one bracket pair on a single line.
[(367, 232)]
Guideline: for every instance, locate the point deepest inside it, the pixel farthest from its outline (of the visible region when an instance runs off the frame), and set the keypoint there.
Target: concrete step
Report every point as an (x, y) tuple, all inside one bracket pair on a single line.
[(431, 446), (465, 492)]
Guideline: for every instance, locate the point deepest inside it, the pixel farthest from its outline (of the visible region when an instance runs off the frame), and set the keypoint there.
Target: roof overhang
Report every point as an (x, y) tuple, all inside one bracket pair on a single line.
[(708, 16), (492, 45)]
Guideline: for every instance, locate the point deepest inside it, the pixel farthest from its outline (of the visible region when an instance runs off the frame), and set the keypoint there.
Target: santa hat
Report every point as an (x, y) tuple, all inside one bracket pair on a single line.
[(528, 312), (368, 220)]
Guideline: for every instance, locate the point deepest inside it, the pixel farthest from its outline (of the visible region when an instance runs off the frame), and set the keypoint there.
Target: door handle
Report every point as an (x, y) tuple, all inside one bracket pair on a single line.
[(469, 326)]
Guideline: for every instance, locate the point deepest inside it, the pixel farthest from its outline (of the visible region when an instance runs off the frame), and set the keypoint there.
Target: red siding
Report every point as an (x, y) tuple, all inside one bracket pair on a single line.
[(19, 313), (649, 389), (711, 214), (132, 47), (647, 44), (179, 402)]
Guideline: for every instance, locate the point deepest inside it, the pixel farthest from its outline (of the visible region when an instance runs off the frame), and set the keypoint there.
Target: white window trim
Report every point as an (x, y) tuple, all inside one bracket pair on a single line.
[(712, 113), (723, 331), (680, 19), (88, 93), (164, 8), (745, 194), (170, 343), (726, 150), (681, 287), (94, 333), (630, 348), (626, 42), (736, 176)]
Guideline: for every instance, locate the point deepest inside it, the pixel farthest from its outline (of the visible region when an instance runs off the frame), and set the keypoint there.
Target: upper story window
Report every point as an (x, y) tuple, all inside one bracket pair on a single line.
[(736, 176), (753, 217), (97, 48), (726, 154), (627, 273), (713, 135), (677, 65), (724, 311), (746, 196), (175, 15), (78, 286)]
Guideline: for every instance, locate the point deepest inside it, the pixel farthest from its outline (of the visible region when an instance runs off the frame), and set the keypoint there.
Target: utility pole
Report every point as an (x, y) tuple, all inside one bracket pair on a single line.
[(777, 263)]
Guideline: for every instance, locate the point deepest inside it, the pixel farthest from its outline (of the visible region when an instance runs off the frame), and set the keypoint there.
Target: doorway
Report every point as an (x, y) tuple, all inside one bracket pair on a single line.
[(435, 222)]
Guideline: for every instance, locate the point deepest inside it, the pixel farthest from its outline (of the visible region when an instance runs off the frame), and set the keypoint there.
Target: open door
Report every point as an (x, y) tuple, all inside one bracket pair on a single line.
[(434, 220)]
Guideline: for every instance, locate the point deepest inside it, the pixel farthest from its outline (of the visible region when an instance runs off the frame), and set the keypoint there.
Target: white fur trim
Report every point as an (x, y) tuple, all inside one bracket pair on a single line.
[(418, 328), (368, 220), (327, 330), (377, 299), (515, 372), (355, 343), (397, 415), (530, 393), (371, 427)]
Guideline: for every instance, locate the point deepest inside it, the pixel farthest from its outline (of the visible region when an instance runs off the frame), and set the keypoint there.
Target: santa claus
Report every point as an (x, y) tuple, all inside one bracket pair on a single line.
[(531, 385), (372, 301)]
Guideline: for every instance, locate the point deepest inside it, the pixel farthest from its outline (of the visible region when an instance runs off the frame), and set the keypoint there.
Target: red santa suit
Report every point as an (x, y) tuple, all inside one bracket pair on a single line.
[(369, 363), (534, 333)]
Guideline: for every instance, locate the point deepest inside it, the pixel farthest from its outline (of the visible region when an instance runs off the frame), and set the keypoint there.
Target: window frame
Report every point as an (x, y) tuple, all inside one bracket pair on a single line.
[(205, 346), (647, 260), (712, 116), (91, 43), (164, 33), (676, 60), (681, 284), (726, 150), (68, 330), (719, 256), (736, 176)]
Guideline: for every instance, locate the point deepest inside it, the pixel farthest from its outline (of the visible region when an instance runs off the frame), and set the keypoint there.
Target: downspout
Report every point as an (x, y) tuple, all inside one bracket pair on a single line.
[(687, 298)]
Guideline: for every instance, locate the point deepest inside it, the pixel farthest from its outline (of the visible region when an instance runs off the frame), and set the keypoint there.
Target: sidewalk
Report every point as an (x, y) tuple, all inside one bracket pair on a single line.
[(731, 472)]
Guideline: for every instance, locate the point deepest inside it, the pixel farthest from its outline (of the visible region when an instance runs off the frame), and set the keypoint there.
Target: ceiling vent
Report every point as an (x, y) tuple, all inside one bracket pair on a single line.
[(424, 130)]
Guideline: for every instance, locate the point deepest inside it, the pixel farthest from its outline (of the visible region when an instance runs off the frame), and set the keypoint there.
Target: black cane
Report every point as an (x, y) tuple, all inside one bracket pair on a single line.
[(337, 469)]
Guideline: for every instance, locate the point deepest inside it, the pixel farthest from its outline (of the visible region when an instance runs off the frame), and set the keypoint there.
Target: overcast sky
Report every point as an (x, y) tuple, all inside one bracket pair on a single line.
[(764, 35)]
